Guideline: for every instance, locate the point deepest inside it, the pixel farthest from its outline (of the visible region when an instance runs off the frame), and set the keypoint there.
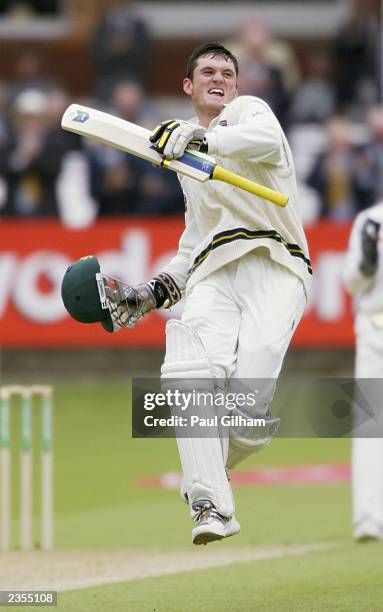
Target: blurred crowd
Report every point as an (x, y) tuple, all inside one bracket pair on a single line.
[(328, 100)]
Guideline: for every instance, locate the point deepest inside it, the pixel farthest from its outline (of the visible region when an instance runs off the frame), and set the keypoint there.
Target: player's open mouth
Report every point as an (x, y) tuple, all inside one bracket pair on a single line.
[(216, 92)]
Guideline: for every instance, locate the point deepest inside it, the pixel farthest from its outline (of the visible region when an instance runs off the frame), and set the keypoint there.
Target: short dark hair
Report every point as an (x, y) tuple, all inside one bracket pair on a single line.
[(212, 49)]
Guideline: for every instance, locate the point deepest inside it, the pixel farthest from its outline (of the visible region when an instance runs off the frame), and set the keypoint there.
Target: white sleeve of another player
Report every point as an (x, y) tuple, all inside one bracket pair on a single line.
[(257, 137), (356, 283), (178, 267)]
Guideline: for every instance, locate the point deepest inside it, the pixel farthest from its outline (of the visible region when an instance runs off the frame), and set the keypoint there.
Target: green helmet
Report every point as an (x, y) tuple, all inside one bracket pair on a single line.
[(80, 294)]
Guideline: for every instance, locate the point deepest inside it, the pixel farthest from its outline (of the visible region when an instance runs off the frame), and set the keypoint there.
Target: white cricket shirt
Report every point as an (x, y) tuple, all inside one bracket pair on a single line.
[(222, 222)]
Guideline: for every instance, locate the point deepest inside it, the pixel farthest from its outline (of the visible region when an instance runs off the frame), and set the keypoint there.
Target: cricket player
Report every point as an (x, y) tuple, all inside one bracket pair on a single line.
[(363, 275), (243, 266)]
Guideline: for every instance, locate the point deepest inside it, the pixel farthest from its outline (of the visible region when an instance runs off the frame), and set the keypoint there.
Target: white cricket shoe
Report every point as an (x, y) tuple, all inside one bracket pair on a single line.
[(211, 525), (367, 530)]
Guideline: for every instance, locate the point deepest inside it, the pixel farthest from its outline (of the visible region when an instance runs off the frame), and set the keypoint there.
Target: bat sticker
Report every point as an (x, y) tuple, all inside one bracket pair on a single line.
[(81, 117)]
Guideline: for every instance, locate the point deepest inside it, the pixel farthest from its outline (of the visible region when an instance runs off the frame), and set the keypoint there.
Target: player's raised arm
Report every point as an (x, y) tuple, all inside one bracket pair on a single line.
[(257, 135)]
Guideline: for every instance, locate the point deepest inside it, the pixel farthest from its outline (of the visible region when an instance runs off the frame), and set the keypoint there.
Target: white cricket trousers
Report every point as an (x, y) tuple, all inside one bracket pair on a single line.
[(367, 453), (245, 314)]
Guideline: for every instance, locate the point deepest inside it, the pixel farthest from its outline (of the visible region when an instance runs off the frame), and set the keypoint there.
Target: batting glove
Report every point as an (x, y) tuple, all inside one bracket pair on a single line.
[(370, 237), (160, 292), (172, 137), (138, 302)]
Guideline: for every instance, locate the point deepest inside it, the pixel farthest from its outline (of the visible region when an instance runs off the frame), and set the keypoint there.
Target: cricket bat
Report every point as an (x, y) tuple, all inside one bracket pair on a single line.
[(133, 139)]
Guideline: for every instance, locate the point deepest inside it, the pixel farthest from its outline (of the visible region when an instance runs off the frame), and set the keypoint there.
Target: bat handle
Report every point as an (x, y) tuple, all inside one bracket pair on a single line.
[(276, 197)]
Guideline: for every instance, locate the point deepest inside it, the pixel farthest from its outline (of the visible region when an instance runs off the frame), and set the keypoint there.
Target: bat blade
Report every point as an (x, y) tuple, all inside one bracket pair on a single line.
[(133, 139)]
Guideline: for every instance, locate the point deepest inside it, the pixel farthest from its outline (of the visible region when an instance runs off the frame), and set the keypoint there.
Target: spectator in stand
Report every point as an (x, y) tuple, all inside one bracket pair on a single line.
[(124, 184), (160, 193), (315, 99), (341, 174), (120, 48), (28, 74), (76, 207), (277, 52), (34, 164), (259, 75), (115, 176), (29, 8), (4, 105), (356, 53), (374, 150)]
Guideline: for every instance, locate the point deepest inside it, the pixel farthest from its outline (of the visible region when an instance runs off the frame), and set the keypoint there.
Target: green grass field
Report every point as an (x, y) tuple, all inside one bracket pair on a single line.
[(346, 579), (99, 505)]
